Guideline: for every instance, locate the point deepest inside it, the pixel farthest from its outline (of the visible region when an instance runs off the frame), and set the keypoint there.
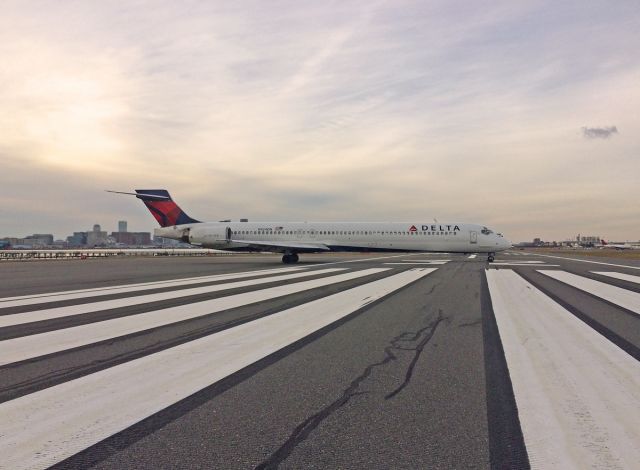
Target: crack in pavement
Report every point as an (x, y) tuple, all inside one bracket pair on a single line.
[(428, 332), (471, 323), (304, 429)]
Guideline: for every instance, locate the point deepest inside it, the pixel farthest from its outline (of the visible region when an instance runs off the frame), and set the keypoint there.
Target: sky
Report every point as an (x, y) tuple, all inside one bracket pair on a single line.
[(523, 116)]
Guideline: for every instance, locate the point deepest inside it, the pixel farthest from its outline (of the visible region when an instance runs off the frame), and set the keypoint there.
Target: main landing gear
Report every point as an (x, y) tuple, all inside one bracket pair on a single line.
[(491, 258), (290, 258)]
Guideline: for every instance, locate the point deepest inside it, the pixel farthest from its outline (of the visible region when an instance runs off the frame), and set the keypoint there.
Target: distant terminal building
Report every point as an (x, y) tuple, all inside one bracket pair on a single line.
[(132, 238), (122, 226), (169, 242), (37, 240), (588, 240), (537, 242), (44, 239)]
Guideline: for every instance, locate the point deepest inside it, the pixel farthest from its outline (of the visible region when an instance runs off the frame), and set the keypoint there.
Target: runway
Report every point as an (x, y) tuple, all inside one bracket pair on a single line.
[(341, 361)]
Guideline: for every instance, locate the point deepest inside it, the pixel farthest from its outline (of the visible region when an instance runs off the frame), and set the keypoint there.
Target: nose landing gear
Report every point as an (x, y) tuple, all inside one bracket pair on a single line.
[(290, 258), (491, 258)]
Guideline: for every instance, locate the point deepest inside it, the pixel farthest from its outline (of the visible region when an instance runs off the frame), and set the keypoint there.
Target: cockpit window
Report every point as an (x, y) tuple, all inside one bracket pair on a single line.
[(486, 231)]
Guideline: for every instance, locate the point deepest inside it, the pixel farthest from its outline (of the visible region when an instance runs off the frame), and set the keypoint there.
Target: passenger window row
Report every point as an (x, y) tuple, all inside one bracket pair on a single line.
[(339, 232)]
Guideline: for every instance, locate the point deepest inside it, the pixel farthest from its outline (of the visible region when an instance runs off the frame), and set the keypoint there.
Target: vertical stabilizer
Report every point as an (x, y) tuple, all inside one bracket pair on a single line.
[(163, 208)]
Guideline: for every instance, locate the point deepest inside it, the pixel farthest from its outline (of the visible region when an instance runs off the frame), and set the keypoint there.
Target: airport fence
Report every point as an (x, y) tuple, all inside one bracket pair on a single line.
[(25, 255)]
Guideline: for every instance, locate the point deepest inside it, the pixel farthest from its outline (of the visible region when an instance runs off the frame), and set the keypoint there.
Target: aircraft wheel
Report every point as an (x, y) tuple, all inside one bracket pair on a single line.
[(290, 258), (491, 258)]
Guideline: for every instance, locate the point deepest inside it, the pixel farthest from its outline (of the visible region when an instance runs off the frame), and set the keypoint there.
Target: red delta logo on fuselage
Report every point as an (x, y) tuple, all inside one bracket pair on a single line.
[(413, 228)]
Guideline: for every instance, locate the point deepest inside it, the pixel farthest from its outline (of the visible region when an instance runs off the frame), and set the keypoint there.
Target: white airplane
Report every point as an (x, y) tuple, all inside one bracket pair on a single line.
[(619, 246), (291, 238)]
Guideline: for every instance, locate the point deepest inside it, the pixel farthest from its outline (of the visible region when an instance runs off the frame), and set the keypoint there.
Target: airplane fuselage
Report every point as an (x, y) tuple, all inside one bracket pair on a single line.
[(341, 236)]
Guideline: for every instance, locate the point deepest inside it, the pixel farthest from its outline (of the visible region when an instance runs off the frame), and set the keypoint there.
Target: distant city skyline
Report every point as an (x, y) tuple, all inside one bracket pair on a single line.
[(62, 236), (90, 237), (518, 115)]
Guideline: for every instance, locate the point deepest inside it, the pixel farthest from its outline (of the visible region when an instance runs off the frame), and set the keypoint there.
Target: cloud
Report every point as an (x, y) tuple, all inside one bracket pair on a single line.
[(599, 132)]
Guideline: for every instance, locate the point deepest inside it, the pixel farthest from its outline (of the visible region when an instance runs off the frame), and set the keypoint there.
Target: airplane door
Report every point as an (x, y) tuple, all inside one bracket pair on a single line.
[(474, 237), (299, 233), (312, 233), (228, 234)]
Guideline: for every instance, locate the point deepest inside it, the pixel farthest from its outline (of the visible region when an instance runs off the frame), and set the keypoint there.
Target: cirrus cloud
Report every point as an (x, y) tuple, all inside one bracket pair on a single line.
[(338, 110)]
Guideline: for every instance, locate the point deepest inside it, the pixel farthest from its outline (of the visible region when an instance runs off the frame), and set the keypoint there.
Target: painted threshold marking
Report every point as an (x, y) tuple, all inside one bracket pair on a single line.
[(59, 312), (425, 260), (621, 276), (616, 295), (421, 263), (48, 426), (589, 261), (516, 263), (578, 394), (100, 291), (28, 347), (529, 262)]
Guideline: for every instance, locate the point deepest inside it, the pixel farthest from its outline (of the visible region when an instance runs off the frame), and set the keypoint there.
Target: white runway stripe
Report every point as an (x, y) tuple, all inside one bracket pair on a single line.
[(578, 394), (27, 347), (528, 262), (621, 276), (592, 262), (101, 291), (518, 263), (48, 426), (59, 312), (419, 263), (616, 295), (425, 260), (473, 256)]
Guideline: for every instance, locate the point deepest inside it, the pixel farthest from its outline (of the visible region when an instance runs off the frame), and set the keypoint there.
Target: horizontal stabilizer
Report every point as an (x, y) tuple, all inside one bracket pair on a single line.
[(142, 195)]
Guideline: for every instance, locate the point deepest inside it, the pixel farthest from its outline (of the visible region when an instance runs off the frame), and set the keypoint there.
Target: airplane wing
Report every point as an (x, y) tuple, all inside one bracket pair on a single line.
[(272, 245)]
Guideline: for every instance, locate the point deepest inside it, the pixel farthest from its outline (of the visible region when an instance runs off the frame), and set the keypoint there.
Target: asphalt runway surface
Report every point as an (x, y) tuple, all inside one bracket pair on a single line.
[(341, 361)]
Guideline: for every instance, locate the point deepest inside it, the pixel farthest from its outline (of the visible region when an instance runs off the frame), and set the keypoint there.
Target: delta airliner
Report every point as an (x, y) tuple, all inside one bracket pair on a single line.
[(292, 238)]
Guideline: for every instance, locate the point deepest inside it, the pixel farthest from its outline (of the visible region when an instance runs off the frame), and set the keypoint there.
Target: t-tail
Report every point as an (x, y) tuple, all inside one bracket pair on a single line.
[(162, 207)]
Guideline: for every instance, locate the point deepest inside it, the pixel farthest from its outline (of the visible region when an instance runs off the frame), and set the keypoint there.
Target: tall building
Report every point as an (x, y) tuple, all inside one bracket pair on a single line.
[(122, 226), (590, 240), (40, 239), (77, 239), (96, 237), (132, 238)]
